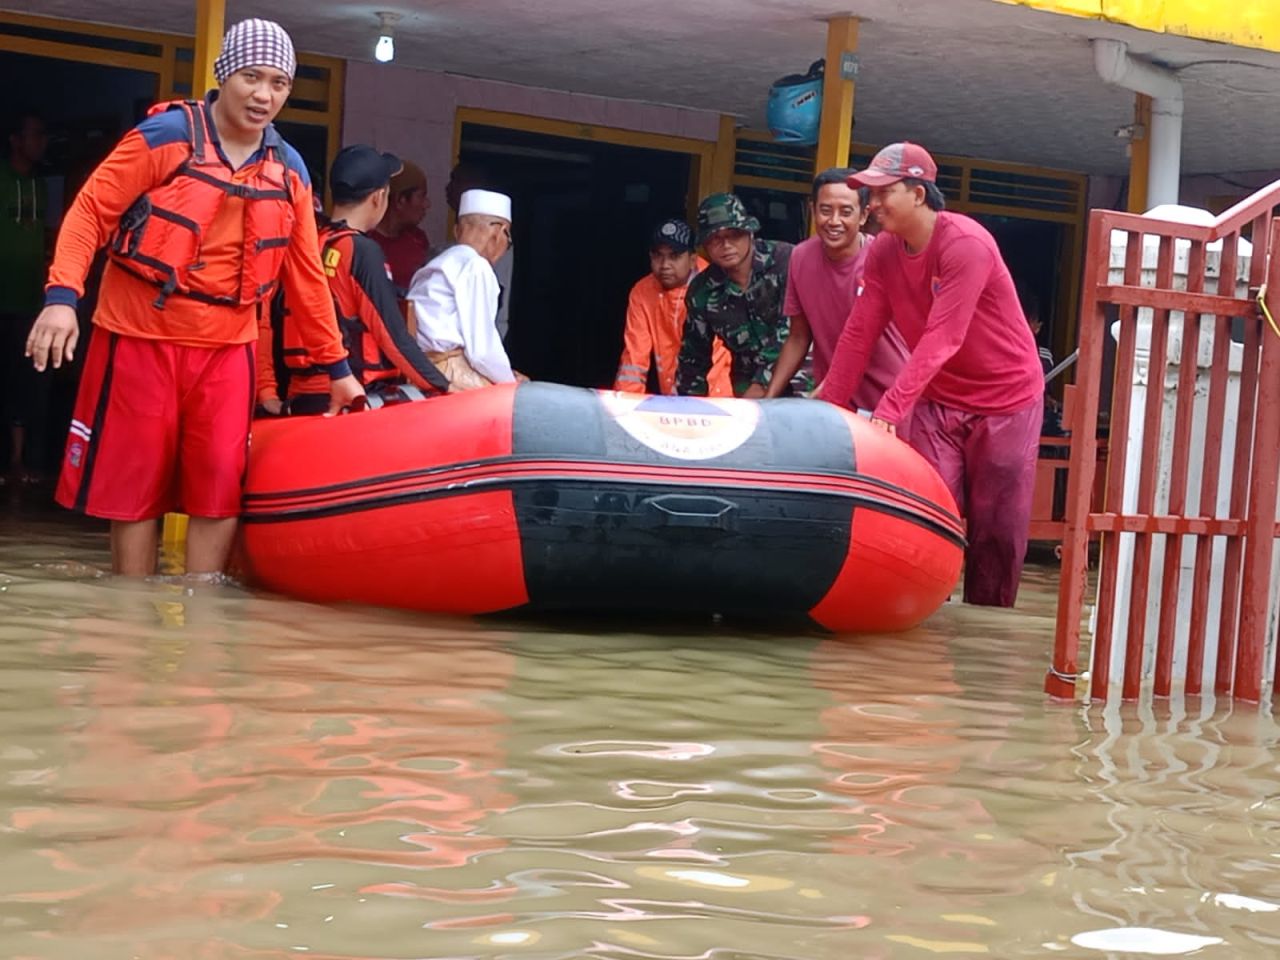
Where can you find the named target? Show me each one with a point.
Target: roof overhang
(982, 78)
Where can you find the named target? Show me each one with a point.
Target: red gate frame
(1250, 529)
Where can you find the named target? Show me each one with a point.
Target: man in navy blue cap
(656, 316)
(382, 353)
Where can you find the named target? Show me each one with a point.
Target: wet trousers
(988, 463)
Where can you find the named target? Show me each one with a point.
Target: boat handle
(682, 510)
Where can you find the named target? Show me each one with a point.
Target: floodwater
(196, 771)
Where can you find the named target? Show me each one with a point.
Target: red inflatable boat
(550, 498)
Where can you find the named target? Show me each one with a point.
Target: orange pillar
(210, 15)
(835, 133)
(1140, 153)
(210, 18)
(722, 159)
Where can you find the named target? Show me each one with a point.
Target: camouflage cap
(724, 211)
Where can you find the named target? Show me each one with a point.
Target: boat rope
(1266, 312)
(1067, 677)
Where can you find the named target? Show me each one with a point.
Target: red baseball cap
(896, 162)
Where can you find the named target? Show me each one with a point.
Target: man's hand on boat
(885, 425)
(342, 392)
(272, 405)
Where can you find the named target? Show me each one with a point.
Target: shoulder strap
(198, 138)
(273, 154)
(202, 149)
(329, 236)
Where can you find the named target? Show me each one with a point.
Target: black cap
(674, 234)
(358, 170)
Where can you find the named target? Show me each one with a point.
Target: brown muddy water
(198, 771)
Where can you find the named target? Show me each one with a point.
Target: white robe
(455, 303)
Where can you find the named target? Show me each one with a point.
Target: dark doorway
(583, 212)
(86, 109)
(1033, 251)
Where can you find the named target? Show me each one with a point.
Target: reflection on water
(196, 771)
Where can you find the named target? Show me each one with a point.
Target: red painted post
(1264, 479)
(1060, 681)
(1210, 479)
(1178, 477)
(1117, 469)
(1148, 473)
(1228, 631)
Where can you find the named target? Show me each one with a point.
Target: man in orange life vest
(379, 347)
(206, 210)
(656, 314)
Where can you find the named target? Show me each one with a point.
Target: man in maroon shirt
(403, 243)
(822, 281)
(969, 397)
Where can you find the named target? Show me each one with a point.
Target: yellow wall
(1245, 23)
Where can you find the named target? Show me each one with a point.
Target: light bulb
(384, 51)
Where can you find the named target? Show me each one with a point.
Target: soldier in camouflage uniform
(738, 299)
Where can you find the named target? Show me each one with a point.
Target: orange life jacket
(159, 237)
(368, 362)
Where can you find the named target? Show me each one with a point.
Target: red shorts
(158, 427)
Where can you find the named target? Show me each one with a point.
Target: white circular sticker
(684, 428)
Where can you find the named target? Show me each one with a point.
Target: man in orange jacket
(656, 315)
(206, 210)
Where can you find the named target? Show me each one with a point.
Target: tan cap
(409, 178)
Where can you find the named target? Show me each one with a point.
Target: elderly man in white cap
(455, 296)
(205, 211)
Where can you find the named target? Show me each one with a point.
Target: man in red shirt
(162, 418)
(822, 282)
(969, 397)
(399, 234)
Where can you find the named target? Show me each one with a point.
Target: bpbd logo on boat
(684, 428)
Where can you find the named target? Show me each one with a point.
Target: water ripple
(193, 770)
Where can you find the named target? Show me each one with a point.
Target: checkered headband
(255, 43)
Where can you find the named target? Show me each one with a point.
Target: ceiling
(965, 77)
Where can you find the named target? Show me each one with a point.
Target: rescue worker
(455, 296)
(656, 317)
(822, 281)
(380, 349)
(404, 243)
(737, 299)
(971, 390)
(162, 418)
